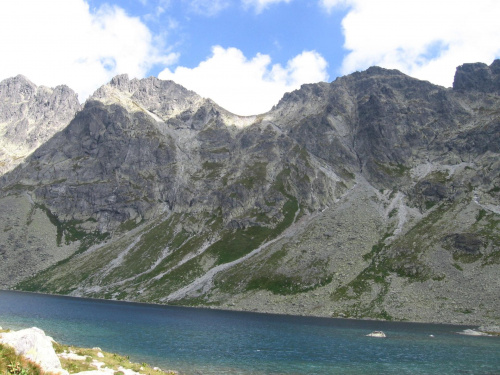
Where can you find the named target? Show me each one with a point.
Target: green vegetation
(458, 267)
(20, 187)
(212, 169)
(345, 174)
(401, 257)
(466, 258)
(493, 190)
(236, 244)
(111, 361)
(429, 204)
(221, 150)
(127, 226)
(70, 231)
(480, 215)
(393, 170)
(254, 174)
(487, 227)
(377, 248)
(13, 364)
(438, 177)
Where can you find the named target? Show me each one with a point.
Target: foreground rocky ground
(31, 352)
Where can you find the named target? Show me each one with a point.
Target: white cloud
(208, 7)
(62, 41)
(248, 87)
(260, 5)
(426, 39)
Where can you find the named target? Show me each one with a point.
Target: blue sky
(244, 54)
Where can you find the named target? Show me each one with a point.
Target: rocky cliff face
(376, 195)
(29, 116)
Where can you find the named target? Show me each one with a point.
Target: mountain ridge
(373, 196)
(29, 116)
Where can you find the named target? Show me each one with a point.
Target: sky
(243, 54)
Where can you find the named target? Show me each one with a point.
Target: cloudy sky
(244, 54)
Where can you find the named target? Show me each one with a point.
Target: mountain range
(374, 196)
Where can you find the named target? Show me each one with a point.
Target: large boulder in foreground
(34, 345)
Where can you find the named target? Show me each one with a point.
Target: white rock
(376, 334)
(34, 345)
(472, 332)
(73, 356)
(100, 355)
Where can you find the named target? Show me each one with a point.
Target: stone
(35, 346)
(473, 332)
(379, 334)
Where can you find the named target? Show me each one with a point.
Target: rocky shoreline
(34, 346)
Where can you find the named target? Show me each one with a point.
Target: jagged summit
(478, 77)
(164, 101)
(29, 116)
(161, 99)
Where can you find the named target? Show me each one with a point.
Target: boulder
(35, 346)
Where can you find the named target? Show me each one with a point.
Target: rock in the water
(376, 334)
(35, 346)
(473, 332)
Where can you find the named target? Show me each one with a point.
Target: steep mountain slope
(29, 116)
(376, 195)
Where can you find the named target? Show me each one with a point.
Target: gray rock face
(478, 77)
(376, 195)
(29, 116)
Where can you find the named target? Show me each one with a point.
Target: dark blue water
(199, 341)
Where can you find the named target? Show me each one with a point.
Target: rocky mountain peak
(17, 88)
(29, 116)
(478, 77)
(159, 99)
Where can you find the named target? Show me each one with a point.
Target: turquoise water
(201, 341)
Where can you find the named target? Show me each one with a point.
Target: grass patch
(481, 214)
(70, 232)
(112, 361)
(127, 226)
(13, 364)
(438, 177)
(466, 258)
(377, 248)
(494, 190)
(429, 204)
(457, 266)
(238, 243)
(393, 212)
(212, 168)
(393, 170)
(254, 174)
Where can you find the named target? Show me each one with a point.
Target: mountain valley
(374, 196)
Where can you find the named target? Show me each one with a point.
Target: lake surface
(202, 341)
